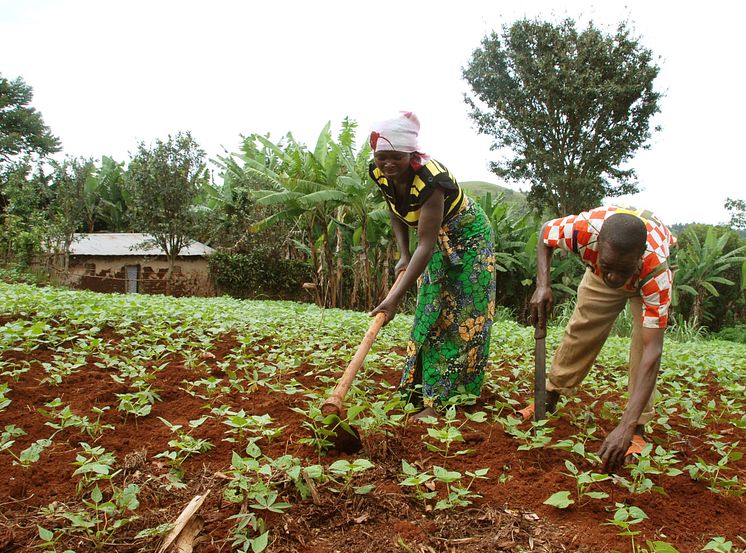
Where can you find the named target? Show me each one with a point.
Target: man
(626, 251)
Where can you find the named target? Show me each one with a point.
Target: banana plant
(115, 198)
(314, 188)
(516, 237)
(700, 267)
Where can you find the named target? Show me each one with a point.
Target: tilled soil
(509, 516)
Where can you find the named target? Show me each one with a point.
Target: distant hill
(679, 228)
(481, 188)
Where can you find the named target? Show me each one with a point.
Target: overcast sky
(107, 74)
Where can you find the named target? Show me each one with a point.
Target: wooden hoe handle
(333, 405)
(540, 373)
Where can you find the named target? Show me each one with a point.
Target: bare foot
(426, 412)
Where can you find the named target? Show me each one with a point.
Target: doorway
(131, 272)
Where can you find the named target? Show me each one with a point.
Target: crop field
(117, 410)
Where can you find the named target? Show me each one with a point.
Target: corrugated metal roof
(124, 243)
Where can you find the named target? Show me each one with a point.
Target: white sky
(107, 74)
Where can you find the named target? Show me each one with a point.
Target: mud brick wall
(108, 274)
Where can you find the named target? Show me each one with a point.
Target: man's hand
(614, 448)
(541, 305)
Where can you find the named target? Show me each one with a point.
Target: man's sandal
(527, 413)
(637, 445)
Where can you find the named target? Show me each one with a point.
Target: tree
(66, 211)
(25, 195)
(572, 106)
(22, 129)
(737, 210)
(163, 183)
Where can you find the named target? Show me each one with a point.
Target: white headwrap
(398, 134)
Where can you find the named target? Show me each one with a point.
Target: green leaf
(718, 544)
(46, 535)
(360, 465)
(159, 530)
(322, 196)
(561, 500)
(314, 471)
(445, 475)
(408, 469)
(128, 499)
(479, 416)
(253, 450)
(353, 411)
(98, 468)
(637, 514)
(260, 543)
(279, 198)
(341, 466)
(32, 453)
(661, 547)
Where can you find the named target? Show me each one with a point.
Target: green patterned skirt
(450, 340)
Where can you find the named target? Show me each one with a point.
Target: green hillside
(479, 189)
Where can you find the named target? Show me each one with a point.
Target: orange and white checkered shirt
(579, 234)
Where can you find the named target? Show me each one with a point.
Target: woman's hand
(387, 307)
(401, 265)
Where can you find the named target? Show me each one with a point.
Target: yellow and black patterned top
(427, 178)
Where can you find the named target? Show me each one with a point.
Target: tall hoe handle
(333, 404)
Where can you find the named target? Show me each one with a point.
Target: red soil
(510, 516)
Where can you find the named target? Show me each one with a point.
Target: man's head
(621, 243)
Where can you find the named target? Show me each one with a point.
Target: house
(118, 262)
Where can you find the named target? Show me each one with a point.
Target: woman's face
(394, 165)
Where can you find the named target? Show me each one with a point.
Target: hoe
(348, 441)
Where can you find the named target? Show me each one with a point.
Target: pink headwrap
(398, 134)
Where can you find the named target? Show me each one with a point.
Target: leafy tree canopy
(163, 183)
(737, 209)
(572, 106)
(22, 129)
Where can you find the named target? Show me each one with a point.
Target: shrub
(733, 334)
(260, 272)
(22, 274)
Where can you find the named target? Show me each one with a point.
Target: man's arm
(615, 445)
(542, 299)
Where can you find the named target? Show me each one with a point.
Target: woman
(454, 262)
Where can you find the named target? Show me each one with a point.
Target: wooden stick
(183, 519)
(333, 405)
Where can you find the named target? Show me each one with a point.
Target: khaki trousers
(596, 310)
